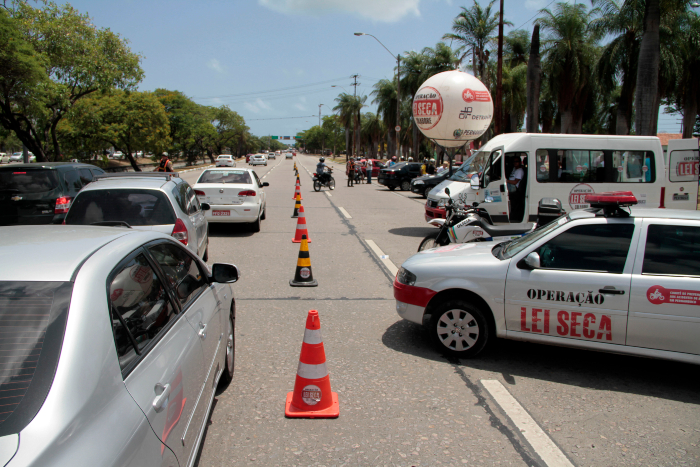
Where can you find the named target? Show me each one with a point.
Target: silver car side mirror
(225, 273)
(532, 261)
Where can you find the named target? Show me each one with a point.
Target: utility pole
(355, 84)
(498, 111)
(319, 115)
(398, 104)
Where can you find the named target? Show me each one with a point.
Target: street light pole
(398, 88)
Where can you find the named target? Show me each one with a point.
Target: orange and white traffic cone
(303, 277)
(301, 227)
(297, 190)
(297, 205)
(298, 181)
(312, 396)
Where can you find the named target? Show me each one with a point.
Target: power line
(535, 15)
(272, 91)
(278, 118)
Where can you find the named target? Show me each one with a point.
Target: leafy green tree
(570, 48)
(384, 97)
(77, 60)
(127, 120)
(189, 123)
(346, 113)
(516, 48)
(687, 89)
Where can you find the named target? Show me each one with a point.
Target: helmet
(323, 159)
(393, 158)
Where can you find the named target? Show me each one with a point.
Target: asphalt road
(401, 402)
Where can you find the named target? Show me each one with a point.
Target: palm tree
(384, 94)
(618, 61)
(345, 111)
(473, 29)
(358, 102)
(514, 96)
(516, 48)
(373, 129)
(570, 49)
(686, 92)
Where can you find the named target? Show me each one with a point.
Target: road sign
(398, 128)
(275, 137)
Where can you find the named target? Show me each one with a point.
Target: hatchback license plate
(221, 213)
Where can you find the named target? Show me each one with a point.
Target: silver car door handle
(202, 331)
(160, 401)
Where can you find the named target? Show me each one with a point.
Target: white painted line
(328, 193)
(383, 258)
(538, 439)
(345, 213)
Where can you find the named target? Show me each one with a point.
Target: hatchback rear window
(133, 206)
(32, 322)
(27, 180)
(225, 176)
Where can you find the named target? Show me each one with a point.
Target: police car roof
(656, 213)
(128, 182)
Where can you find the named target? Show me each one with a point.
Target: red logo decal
(469, 95)
(659, 295)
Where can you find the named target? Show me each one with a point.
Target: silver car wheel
(457, 330)
(230, 351)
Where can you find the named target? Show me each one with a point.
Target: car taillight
(62, 205)
(180, 232)
(247, 193)
(199, 193)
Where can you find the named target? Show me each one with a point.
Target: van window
(493, 168)
(594, 166)
(683, 166)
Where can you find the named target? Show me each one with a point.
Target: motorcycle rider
(321, 170)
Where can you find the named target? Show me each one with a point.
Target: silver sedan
(120, 338)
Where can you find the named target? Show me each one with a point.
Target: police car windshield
(475, 164)
(516, 246)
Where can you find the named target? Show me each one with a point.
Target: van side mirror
(530, 262)
(474, 182)
(225, 273)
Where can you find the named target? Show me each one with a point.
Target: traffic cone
(298, 181)
(301, 227)
(303, 277)
(297, 205)
(297, 190)
(312, 396)
(295, 166)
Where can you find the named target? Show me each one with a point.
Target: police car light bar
(611, 198)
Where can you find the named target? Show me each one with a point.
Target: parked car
(225, 160)
(41, 193)
(272, 155)
(423, 184)
(288, 155)
(157, 201)
(610, 278)
(399, 175)
(258, 159)
(377, 166)
(235, 196)
(136, 335)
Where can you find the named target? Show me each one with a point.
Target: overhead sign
(285, 137)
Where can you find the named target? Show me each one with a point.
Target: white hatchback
(258, 159)
(225, 160)
(235, 196)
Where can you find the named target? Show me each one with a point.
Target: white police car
(610, 278)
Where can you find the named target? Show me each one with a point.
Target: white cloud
(215, 65)
(257, 106)
(377, 10)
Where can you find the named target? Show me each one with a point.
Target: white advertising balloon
(453, 108)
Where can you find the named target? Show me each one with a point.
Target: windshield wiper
(112, 224)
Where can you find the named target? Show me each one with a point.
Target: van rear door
(682, 174)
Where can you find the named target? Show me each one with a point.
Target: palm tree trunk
(348, 149)
(648, 72)
(534, 80)
(623, 122)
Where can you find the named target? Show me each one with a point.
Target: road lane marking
(328, 193)
(382, 257)
(538, 439)
(345, 213)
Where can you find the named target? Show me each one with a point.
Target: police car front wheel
(459, 328)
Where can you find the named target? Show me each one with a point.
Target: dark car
(399, 175)
(423, 184)
(41, 193)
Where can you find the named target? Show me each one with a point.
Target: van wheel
(459, 329)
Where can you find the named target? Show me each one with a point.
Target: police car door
(494, 185)
(665, 299)
(581, 289)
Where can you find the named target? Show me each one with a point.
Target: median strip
(538, 439)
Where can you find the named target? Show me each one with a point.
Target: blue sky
(270, 60)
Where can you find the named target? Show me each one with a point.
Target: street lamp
(398, 88)
(336, 86)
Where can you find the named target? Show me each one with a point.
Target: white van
(569, 167)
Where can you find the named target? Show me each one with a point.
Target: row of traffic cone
(312, 396)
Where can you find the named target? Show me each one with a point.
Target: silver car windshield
(516, 246)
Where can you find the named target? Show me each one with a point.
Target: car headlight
(442, 202)
(418, 182)
(406, 277)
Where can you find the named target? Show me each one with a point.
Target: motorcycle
(329, 181)
(472, 224)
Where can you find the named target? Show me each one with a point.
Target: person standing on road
(165, 165)
(369, 171)
(350, 171)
